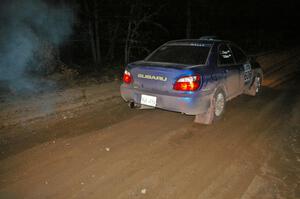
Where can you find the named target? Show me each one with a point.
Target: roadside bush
(69, 75)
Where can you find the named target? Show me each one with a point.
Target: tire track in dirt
(166, 157)
(160, 154)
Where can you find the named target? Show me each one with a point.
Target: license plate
(148, 100)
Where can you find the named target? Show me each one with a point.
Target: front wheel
(215, 111)
(255, 88)
(257, 84)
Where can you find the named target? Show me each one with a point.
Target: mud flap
(207, 117)
(250, 91)
(146, 107)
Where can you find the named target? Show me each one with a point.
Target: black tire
(257, 84)
(255, 88)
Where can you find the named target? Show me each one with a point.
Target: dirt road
(106, 150)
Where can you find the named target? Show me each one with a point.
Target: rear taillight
(127, 77)
(188, 83)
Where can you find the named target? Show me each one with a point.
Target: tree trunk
(127, 42)
(97, 36)
(128, 37)
(92, 42)
(93, 32)
(112, 42)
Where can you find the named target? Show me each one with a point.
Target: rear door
(243, 64)
(226, 64)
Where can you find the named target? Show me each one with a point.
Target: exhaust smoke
(25, 28)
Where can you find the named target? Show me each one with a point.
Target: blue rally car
(194, 77)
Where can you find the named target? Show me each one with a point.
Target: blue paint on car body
(219, 64)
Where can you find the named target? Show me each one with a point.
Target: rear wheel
(215, 111)
(219, 105)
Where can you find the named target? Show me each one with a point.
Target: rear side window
(181, 54)
(239, 55)
(225, 56)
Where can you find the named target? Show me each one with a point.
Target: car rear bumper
(192, 103)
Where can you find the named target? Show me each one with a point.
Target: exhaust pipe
(131, 104)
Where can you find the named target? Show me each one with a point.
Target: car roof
(197, 41)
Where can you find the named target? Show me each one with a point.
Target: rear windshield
(181, 54)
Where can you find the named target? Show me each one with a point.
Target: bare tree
(113, 29)
(139, 15)
(92, 10)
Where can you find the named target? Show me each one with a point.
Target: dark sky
(215, 16)
(212, 16)
(255, 25)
